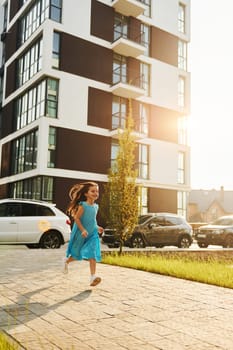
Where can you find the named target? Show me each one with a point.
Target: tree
(120, 204)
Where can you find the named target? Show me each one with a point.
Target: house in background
(208, 205)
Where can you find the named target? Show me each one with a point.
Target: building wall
(83, 123)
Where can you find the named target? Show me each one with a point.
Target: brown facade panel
(7, 120)
(4, 191)
(10, 78)
(81, 57)
(99, 108)
(14, 8)
(102, 20)
(162, 200)
(163, 124)
(11, 41)
(164, 46)
(6, 158)
(82, 151)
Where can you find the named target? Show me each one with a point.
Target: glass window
(143, 200)
(181, 18)
(145, 77)
(119, 111)
(183, 130)
(181, 92)
(56, 50)
(147, 11)
(41, 100)
(114, 153)
(120, 26)
(56, 10)
(182, 203)
(181, 168)
(29, 64)
(145, 29)
(37, 13)
(182, 55)
(24, 153)
(143, 119)
(119, 69)
(143, 161)
(40, 187)
(51, 147)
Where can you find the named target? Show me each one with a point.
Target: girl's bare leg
(68, 260)
(92, 266)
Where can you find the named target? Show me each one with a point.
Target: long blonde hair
(77, 194)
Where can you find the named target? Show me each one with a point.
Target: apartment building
(67, 71)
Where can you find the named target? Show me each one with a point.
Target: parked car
(156, 229)
(35, 224)
(219, 232)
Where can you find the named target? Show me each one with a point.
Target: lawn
(211, 270)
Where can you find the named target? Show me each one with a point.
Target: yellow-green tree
(120, 204)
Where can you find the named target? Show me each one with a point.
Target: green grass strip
(211, 271)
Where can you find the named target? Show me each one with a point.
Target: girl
(84, 241)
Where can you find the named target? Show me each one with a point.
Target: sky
(211, 120)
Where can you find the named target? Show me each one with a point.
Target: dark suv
(158, 230)
(219, 232)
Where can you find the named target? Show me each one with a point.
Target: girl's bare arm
(77, 218)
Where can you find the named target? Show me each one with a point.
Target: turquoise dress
(79, 247)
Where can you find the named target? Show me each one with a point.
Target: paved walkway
(43, 309)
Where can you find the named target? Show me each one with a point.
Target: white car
(35, 224)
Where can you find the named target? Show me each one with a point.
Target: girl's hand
(84, 233)
(100, 230)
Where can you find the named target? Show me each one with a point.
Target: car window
(10, 209)
(28, 209)
(44, 211)
(171, 221)
(143, 218)
(158, 220)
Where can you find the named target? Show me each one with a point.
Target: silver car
(35, 224)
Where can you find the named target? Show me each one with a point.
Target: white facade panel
(164, 163)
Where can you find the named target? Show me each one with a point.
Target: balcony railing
(127, 83)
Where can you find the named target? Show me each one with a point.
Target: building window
(40, 188)
(145, 76)
(183, 130)
(143, 200)
(181, 168)
(182, 203)
(5, 16)
(56, 50)
(141, 124)
(182, 55)
(41, 10)
(120, 26)
(52, 147)
(37, 102)
(181, 92)
(114, 153)
(24, 153)
(145, 29)
(56, 10)
(119, 112)
(143, 161)
(147, 11)
(29, 64)
(181, 18)
(119, 69)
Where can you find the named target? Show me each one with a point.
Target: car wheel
(202, 245)
(184, 242)
(50, 240)
(229, 242)
(137, 241)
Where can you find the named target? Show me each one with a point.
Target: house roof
(204, 199)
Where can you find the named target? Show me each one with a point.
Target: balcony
(128, 84)
(132, 8)
(128, 45)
